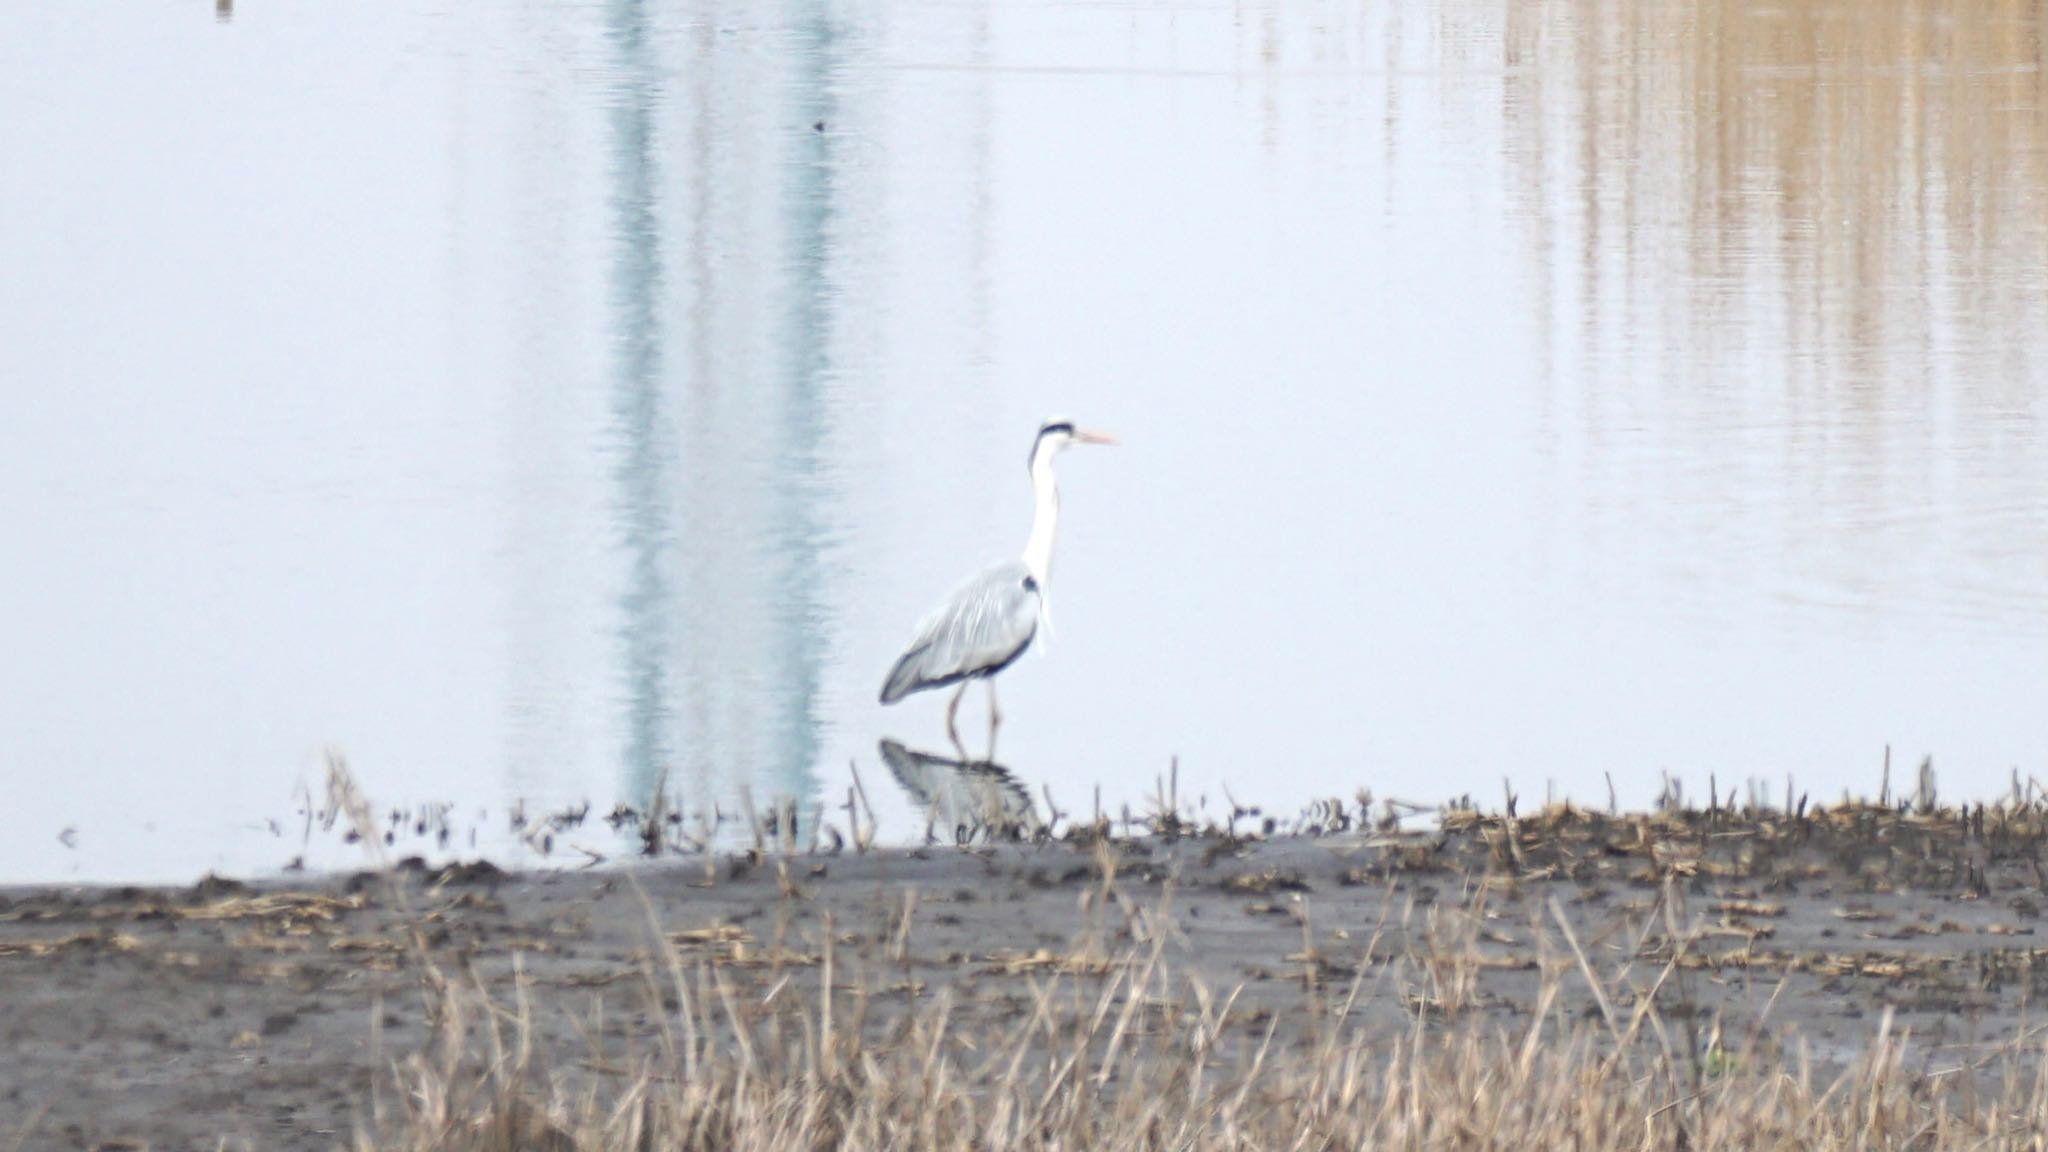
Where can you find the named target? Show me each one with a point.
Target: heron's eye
(1030, 584)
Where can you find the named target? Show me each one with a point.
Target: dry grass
(1119, 1051)
(815, 1045)
(1136, 1059)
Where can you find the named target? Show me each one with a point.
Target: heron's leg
(952, 712)
(995, 718)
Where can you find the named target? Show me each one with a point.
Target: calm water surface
(532, 399)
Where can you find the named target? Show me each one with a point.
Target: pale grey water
(526, 398)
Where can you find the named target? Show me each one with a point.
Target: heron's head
(1057, 435)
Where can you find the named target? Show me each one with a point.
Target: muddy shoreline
(270, 1014)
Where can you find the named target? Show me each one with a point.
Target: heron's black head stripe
(1049, 428)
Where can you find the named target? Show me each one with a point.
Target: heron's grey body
(985, 625)
(989, 621)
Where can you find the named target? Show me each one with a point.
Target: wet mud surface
(270, 1015)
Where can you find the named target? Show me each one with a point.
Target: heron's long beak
(1091, 436)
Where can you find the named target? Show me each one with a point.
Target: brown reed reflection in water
(1794, 266)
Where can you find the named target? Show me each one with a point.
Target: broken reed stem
(863, 836)
(753, 820)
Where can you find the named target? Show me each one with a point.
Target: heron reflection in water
(989, 621)
(968, 800)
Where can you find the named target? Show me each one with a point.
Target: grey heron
(989, 621)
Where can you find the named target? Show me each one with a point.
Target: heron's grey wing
(984, 625)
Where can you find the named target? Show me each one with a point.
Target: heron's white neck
(1044, 521)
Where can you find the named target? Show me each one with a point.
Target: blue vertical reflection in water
(720, 366)
(799, 534)
(638, 409)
